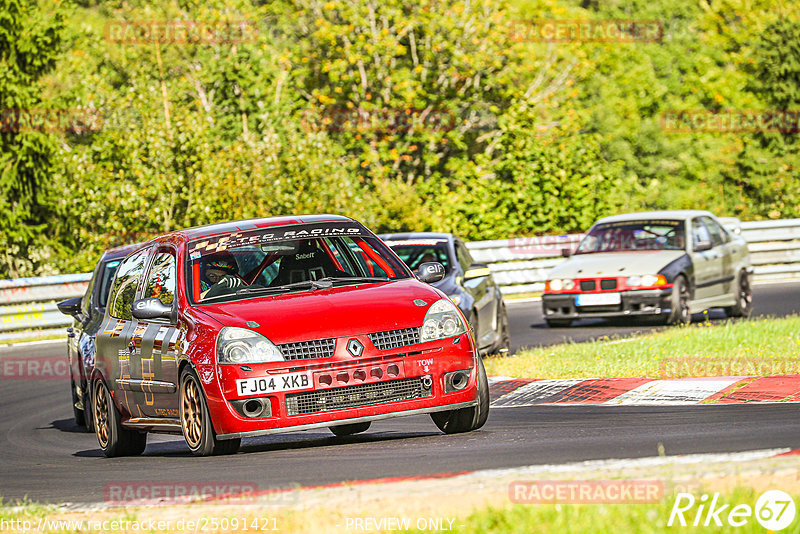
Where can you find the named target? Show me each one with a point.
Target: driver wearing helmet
(219, 271)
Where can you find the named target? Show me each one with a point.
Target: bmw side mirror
(151, 308)
(566, 252)
(700, 246)
(477, 270)
(71, 307)
(430, 272)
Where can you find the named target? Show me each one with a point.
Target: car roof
(409, 236)
(120, 252)
(660, 214)
(209, 230)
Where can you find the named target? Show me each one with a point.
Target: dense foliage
(405, 114)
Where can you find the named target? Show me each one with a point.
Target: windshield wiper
(251, 290)
(356, 279)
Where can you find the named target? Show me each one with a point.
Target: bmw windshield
(627, 236)
(272, 261)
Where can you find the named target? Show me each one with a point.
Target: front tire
(114, 440)
(504, 343)
(78, 413)
(744, 298)
(196, 422)
(558, 323)
(467, 419)
(349, 430)
(679, 302)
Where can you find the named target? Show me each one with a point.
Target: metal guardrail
(519, 265)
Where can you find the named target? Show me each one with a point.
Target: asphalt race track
(45, 457)
(528, 328)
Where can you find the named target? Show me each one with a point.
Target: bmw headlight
(243, 346)
(557, 284)
(441, 321)
(647, 280)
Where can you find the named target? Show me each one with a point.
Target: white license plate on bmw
(273, 384)
(598, 299)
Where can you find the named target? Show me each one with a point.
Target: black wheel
(114, 440)
(744, 298)
(78, 413)
(196, 422)
(679, 302)
(349, 430)
(473, 326)
(467, 419)
(558, 323)
(504, 343)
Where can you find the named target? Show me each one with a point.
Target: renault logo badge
(355, 348)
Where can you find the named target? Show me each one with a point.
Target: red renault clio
(278, 324)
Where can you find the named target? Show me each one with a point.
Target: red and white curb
(513, 392)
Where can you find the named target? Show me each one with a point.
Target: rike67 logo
(774, 510)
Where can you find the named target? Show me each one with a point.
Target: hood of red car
(333, 312)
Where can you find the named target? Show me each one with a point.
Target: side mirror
(700, 246)
(430, 272)
(151, 308)
(566, 252)
(477, 270)
(71, 307)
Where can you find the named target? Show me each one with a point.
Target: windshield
(416, 252)
(270, 261)
(633, 235)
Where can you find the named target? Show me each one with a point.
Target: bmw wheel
(196, 422)
(679, 302)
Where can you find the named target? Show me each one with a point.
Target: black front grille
(587, 285)
(608, 283)
(327, 400)
(303, 350)
(392, 339)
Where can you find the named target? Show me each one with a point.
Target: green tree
(767, 169)
(30, 40)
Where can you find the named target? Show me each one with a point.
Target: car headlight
(441, 321)
(456, 299)
(557, 284)
(647, 280)
(243, 346)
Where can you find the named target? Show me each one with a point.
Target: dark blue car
(87, 313)
(468, 284)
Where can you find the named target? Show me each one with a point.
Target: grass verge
(732, 348)
(642, 518)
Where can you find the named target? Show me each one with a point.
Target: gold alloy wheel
(101, 423)
(191, 412)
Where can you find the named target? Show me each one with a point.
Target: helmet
(221, 261)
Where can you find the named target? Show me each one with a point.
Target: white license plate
(273, 383)
(598, 299)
